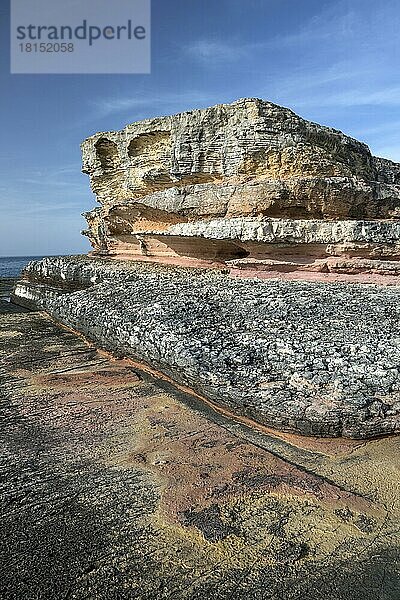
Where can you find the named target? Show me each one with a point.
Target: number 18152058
(46, 47)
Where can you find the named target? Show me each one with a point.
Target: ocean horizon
(11, 266)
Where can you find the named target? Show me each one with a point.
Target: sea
(11, 266)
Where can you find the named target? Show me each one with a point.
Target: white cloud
(330, 25)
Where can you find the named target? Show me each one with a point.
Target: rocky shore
(249, 255)
(297, 356)
(207, 405)
(117, 486)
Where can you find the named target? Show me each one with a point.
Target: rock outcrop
(297, 356)
(117, 487)
(201, 200)
(207, 184)
(172, 467)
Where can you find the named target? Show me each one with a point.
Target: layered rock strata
(246, 180)
(241, 201)
(317, 359)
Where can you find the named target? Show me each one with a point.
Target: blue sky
(334, 62)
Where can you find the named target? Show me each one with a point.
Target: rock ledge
(297, 356)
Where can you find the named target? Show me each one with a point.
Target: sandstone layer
(187, 186)
(318, 359)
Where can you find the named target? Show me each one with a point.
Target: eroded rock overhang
(260, 245)
(249, 182)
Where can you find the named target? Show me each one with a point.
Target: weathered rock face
(249, 159)
(205, 189)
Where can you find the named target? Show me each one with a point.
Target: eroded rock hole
(107, 153)
(154, 143)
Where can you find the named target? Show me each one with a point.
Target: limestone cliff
(249, 159)
(243, 190)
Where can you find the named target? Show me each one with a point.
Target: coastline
(104, 460)
(294, 356)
